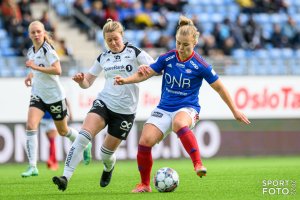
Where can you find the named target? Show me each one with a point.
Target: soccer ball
(166, 179)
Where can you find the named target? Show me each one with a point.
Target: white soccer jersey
(121, 99)
(46, 86)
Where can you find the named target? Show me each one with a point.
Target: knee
(31, 126)
(63, 131)
(147, 141)
(177, 125)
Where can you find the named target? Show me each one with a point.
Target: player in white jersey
(183, 73)
(114, 106)
(47, 94)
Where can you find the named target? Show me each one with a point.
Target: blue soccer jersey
(182, 80)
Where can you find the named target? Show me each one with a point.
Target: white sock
(75, 153)
(72, 134)
(108, 158)
(31, 146)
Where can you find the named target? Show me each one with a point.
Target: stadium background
(260, 66)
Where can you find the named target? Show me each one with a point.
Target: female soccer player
(114, 106)
(47, 94)
(183, 73)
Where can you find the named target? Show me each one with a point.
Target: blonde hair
(47, 36)
(187, 27)
(111, 26)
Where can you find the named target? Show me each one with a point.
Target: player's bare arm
(223, 92)
(141, 75)
(54, 69)
(28, 79)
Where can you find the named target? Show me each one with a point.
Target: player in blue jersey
(114, 107)
(183, 72)
(47, 125)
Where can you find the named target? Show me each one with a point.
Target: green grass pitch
(227, 178)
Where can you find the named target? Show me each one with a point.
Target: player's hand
(78, 78)
(238, 115)
(30, 64)
(144, 70)
(28, 81)
(119, 80)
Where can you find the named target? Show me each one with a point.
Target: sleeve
(209, 74)
(144, 58)
(52, 56)
(96, 69)
(158, 65)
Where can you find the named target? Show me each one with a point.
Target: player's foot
(61, 182)
(52, 165)
(31, 171)
(200, 170)
(106, 177)
(139, 188)
(87, 154)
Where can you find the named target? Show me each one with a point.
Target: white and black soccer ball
(166, 179)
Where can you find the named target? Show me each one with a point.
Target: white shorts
(48, 125)
(163, 119)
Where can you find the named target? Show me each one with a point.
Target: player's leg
(153, 131)
(34, 117)
(108, 157)
(150, 136)
(182, 121)
(92, 124)
(72, 134)
(51, 134)
(119, 126)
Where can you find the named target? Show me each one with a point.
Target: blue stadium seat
(3, 34)
(239, 53)
(262, 53)
(274, 53)
(267, 30)
(204, 17)
(261, 18)
(287, 53)
(259, 66)
(295, 69)
(9, 52)
(235, 70)
(5, 43)
(277, 67)
(297, 53)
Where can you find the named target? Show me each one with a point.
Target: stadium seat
(262, 53)
(3, 34)
(287, 53)
(239, 53)
(235, 70)
(295, 69)
(261, 18)
(297, 53)
(274, 53)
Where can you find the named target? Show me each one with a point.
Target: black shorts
(119, 125)
(58, 110)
